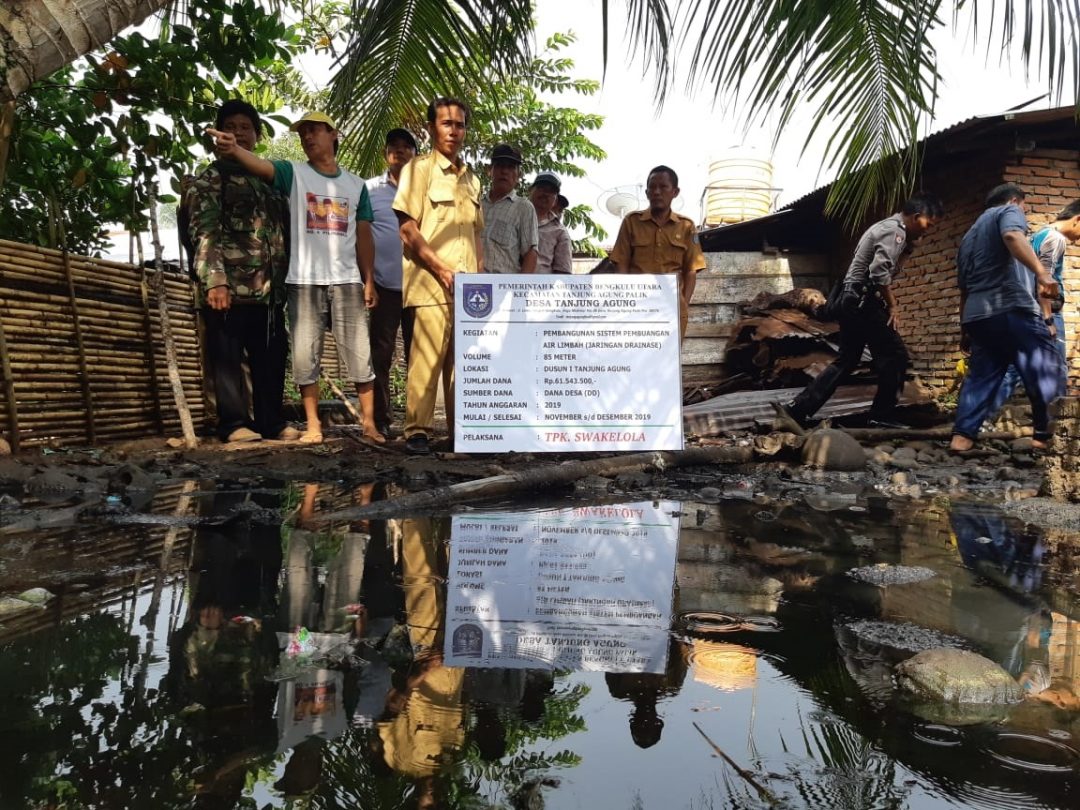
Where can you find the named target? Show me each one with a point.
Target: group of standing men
(364, 259)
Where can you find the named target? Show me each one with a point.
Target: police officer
(236, 224)
(864, 305)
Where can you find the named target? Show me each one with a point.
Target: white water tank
(739, 187)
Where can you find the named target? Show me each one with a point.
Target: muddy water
(651, 655)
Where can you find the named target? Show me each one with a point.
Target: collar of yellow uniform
(646, 216)
(443, 162)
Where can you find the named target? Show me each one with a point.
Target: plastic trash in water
(300, 644)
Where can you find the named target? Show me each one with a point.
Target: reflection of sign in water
(467, 641)
(327, 214)
(584, 588)
(310, 704)
(567, 363)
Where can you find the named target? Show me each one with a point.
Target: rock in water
(832, 449)
(957, 676)
(35, 596)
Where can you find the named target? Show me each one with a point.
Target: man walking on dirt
(236, 226)
(388, 314)
(864, 305)
(438, 210)
(331, 276)
(1002, 320)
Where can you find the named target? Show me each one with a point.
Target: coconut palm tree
(866, 68)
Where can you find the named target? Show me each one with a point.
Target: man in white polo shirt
(331, 262)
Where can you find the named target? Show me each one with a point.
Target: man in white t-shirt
(331, 262)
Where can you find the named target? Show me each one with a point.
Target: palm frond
(403, 53)
(865, 68)
(650, 26)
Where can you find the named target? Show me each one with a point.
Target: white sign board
(566, 363)
(588, 588)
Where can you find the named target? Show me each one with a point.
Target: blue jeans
(1011, 338)
(1012, 376)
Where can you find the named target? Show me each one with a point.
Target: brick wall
(926, 293)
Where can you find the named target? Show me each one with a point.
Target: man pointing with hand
(331, 262)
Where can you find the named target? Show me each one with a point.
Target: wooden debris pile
(779, 342)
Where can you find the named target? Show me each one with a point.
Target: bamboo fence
(82, 358)
(81, 352)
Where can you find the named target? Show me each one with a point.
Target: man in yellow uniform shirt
(657, 240)
(438, 211)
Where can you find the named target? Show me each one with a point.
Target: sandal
(374, 436)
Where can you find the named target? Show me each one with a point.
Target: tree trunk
(166, 328)
(38, 37)
(534, 478)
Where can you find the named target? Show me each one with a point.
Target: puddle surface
(639, 655)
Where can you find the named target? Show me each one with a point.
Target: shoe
(417, 445)
(885, 422)
(243, 434)
(288, 434)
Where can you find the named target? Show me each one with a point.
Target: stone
(35, 596)
(1024, 444)
(709, 495)
(903, 462)
(884, 574)
(876, 456)
(919, 446)
(902, 478)
(905, 452)
(926, 457)
(831, 449)
(886, 448)
(9, 604)
(957, 676)
(592, 484)
(1006, 474)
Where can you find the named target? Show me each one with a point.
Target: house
(799, 246)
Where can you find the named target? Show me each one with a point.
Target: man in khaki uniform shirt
(657, 240)
(438, 210)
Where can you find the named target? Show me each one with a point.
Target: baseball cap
(401, 134)
(548, 179)
(505, 151)
(314, 117)
(562, 202)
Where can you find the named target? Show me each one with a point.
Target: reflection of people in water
(423, 724)
(221, 655)
(1007, 621)
(333, 608)
(645, 690)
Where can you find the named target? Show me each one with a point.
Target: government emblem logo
(477, 300)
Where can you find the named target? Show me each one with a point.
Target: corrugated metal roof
(989, 121)
(741, 410)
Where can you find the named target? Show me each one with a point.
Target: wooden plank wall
(82, 356)
(729, 279)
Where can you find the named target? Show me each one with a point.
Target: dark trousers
(860, 327)
(1011, 338)
(259, 333)
(383, 327)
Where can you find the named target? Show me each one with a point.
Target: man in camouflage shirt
(237, 227)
